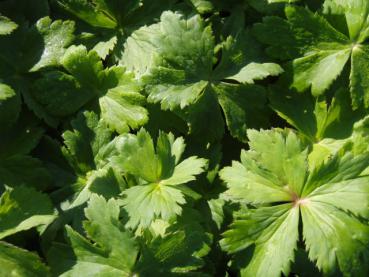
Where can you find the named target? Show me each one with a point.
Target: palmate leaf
(179, 250)
(316, 118)
(332, 196)
(114, 253)
(317, 48)
(46, 43)
(177, 70)
(111, 250)
(84, 148)
(118, 94)
(120, 18)
(160, 175)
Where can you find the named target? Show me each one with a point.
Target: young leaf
(159, 175)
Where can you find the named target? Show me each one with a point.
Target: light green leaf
(255, 71)
(147, 202)
(308, 71)
(332, 197)
(140, 50)
(7, 26)
(186, 171)
(334, 238)
(103, 48)
(85, 66)
(114, 253)
(122, 106)
(254, 187)
(57, 35)
(273, 231)
(282, 154)
(159, 175)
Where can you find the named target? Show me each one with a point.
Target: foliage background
(117, 116)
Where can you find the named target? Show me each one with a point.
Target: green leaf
(274, 233)
(89, 12)
(179, 81)
(84, 142)
(47, 92)
(178, 251)
(85, 152)
(22, 137)
(21, 50)
(122, 106)
(332, 197)
(159, 175)
(86, 67)
(20, 170)
(7, 26)
(334, 238)
(10, 105)
(193, 89)
(245, 185)
(114, 253)
(356, 15)
(147, 202)
(57, 35)
(308, 71)
(24, 208)
(140, 51)
(20, 262)
(359, 82)
(281, 154)
(239, 114)
(316, 118)
(118, 93)
(318, 48)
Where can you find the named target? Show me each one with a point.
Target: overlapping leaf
(179, 54)
(330, 195)
(319, 49)
(82, 148)
(118, 94)
(160, 175)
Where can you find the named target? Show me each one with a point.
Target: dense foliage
(184, 138)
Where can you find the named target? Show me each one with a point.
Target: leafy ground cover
(184, 138)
